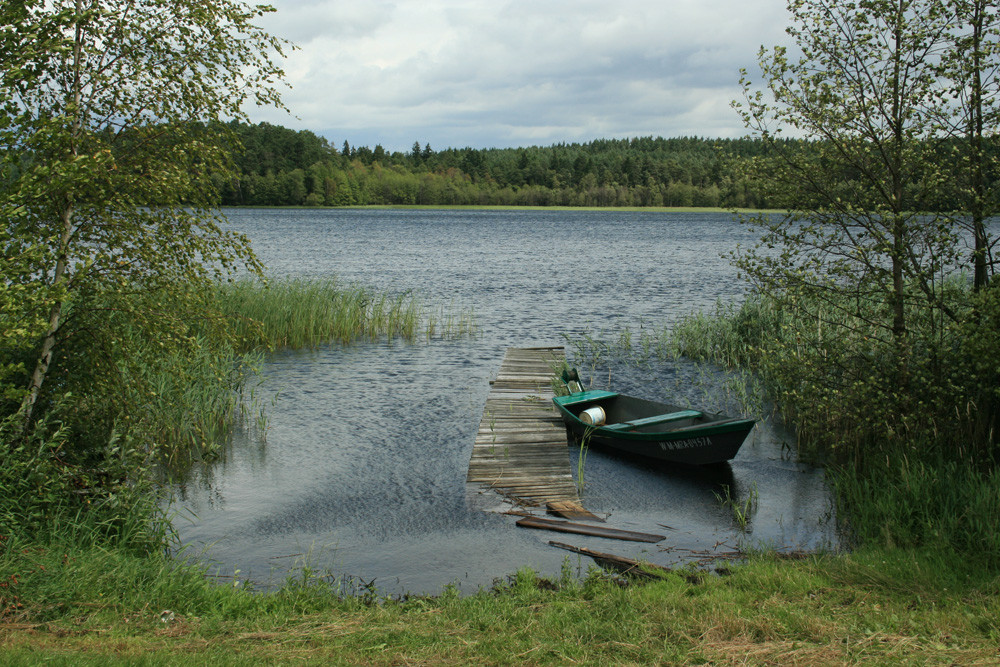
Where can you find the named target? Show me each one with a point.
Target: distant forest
(283, 167)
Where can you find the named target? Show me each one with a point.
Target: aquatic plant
(581, 460)
(742, 510)
(301, 312)
(910, 441)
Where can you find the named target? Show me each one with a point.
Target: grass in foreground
(867, 608)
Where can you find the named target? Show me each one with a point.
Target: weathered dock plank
(520, 448)
(627, 566)
(588, 529)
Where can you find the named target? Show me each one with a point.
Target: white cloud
(489, 73)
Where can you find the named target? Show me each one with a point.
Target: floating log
(588, 529)
(627, 566)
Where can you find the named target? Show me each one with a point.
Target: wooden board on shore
(568, 509)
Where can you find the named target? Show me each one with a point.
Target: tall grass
(299, 313)
(946, 505)
(161, 377)
(909, 431)
(729, 335)
(193, 400)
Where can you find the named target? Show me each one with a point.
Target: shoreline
(490, 207)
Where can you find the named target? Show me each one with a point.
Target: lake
(362, 471)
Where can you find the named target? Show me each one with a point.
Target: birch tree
(110, 126)
(859, 88)
(881, 338)
(970, 113)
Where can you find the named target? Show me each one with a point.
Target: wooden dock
(521, 450)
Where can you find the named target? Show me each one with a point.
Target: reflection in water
(364, 464)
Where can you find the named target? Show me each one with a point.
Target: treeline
(282, 167)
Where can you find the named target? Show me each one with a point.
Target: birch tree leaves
(110, 124)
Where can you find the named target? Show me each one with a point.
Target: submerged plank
(568, 509)
(588, 529)
(627, 566)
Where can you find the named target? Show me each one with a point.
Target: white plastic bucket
(593, 416)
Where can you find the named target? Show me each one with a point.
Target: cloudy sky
(499, 73)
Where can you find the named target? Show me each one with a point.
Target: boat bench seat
(589, 396)
(655, 419)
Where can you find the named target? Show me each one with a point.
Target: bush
(910, 431)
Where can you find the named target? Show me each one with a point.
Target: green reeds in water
(193, 402)
(447, 323)
(300, 313)
(729, 336)
(194, 397)
(741, 509)
(179, 402)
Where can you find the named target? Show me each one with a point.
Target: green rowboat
(650, 429)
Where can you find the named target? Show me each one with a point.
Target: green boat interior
(655, 419)
(625, 413)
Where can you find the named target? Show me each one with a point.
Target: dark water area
(362, 470)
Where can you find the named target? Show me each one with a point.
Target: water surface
(363, 469)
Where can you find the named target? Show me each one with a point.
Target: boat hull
(653, 430)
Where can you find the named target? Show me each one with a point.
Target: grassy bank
(100, 607)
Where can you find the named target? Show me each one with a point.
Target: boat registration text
(685, 444)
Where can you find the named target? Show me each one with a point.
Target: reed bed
(193, 396)
(194, 400)
(301, 313)
(728, 336)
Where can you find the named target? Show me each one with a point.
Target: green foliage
(275, 163)
(644, 171)
(913, 467)
(116, 129)
(863, 327)
(49, 491)
(114, 407)
(111, 121)
(969, 66)
(34, 483)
